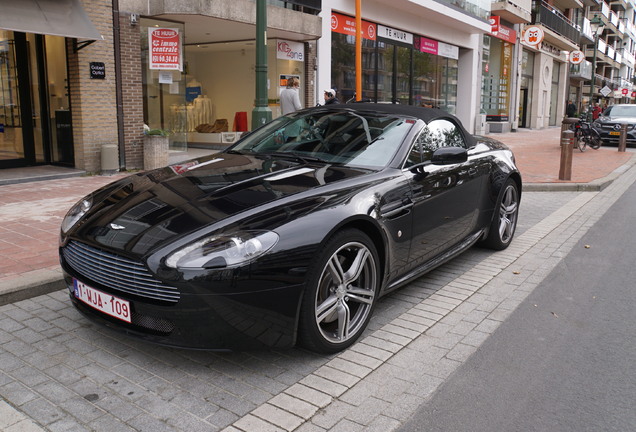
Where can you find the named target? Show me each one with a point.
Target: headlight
(223, 250)
(75, 213)
(597, 124)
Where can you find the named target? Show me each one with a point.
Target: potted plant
(156, 143)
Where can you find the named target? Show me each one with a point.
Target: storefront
(35, 110)
(398, 66)
(497, 75)
(206, 98)
(424, 55)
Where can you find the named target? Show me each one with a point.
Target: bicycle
(585, 136)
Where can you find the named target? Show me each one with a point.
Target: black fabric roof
(425, 114)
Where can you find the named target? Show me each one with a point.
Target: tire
(594, 140)
(341, 292)
(504, 220)
(581, 143)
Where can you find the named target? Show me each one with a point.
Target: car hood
(143, 212)
(621, 120)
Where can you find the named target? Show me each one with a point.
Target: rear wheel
(504, 221)
(340, 294)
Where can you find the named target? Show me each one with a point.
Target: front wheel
(340, 293)
(594, 140)
(581, 143)
(504, 221)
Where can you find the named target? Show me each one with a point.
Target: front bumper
(609, 134)
(252, 320)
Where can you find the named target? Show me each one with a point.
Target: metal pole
(261, 113)
(593, 81)
(358, 50)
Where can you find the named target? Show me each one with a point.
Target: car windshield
(622, 111)
(367, 140)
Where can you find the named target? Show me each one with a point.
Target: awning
(50, 17)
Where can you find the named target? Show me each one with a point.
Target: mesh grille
(116, 272)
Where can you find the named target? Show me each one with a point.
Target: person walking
(596, 111)
(570, 110)
(289, 98)
(330, 97)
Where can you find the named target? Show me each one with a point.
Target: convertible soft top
(425, 114)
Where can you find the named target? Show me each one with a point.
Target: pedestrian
(570, 111)
(330, 97)
(289, 98)
(596, 111)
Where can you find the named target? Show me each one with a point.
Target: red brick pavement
(538, 155)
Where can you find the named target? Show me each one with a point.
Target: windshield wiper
(296, 156)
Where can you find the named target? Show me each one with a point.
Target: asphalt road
(565, 359)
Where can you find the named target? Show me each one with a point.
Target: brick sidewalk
(538, 154)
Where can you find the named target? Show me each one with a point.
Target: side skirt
(436, 262)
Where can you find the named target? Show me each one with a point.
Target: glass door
(12, 148)
(35, 123)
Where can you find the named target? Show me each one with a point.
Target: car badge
(116, 227)
(617, 127)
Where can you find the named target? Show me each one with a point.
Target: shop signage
(577, 57)
(502, 32)
(395, 35)
(625, 91)
(447, 50)
(164, 45)
(634, 94)
(98, 70)
(347, 25)
(533, 36)
(438, 48)
(288, 50)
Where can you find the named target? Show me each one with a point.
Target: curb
(593, 186)
(32, 284)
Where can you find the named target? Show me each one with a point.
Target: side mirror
(449, 155)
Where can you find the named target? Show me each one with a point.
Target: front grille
(116, 272)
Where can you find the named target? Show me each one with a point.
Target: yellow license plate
(615, 133)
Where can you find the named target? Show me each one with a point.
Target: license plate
(615, 133)
(101, 301)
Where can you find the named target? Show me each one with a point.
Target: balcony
(564, 33)
(581, 71)
(513, 11)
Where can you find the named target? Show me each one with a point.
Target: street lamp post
(597, 24)
(261, 113)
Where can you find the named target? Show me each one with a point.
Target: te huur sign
(98, 70)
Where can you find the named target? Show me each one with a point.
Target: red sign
(164, 46)
(347, 25)
(428, 45)
(502, 32)
(625, 91)
(634, 94)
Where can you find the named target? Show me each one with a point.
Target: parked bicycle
(585, 136)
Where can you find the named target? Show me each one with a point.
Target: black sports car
(291, 234)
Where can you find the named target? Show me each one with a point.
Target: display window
(417, 71)
(496, 79)
(209, 101)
